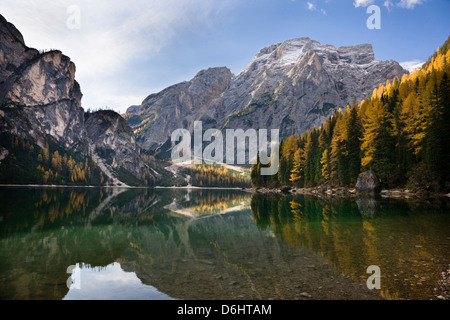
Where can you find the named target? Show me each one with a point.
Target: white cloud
(409, 4)
(313, 7)
(112, 35)
(405, 4)
(362, 3)
(388, 4)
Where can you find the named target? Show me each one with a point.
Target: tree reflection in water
(221, 244)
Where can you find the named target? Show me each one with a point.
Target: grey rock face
(13, 52)
(41, 101)
(39, 97)
(292, 86)
(111, 137)
(368, 182)
(178, 106)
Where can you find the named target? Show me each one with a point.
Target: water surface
(217, 244)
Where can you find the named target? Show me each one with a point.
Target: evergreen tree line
(402, 133)
(28, 163)
(57, 167)
(216, 176)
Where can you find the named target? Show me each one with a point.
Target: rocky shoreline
(326, 191)
(442, 291)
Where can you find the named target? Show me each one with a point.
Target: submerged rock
(368, 206)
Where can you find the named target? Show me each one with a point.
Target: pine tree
(287, 151)
(325, 162)
(46, 153)
(256, 177)
(338, 154)
(354, 135)
(312, 172)
(297, 170)
(378, 143)
(435, 153)
(57, 162)
(444, 102)
(408, 116)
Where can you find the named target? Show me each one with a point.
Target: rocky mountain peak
(292, 86)
(46, 79)
(289, 52)
(212, 74)
(7, 29)
(112, 142)
(179, 106)
(211, 81)
(359, 54)
(281, 54)
(13, 51)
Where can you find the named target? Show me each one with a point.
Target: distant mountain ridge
(292, 86)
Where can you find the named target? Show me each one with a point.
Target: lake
(162, 244)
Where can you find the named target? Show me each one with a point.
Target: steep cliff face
(178, 106)
(39, 97)
(291, 86)
(112, 140)
(13, 52)
(40, 102)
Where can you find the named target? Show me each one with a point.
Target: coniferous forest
(401, 132)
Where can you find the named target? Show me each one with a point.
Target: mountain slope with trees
(45, 135)
(400, 132)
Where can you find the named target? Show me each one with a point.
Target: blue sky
(126, 50)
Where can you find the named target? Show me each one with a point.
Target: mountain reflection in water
(217, 244)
